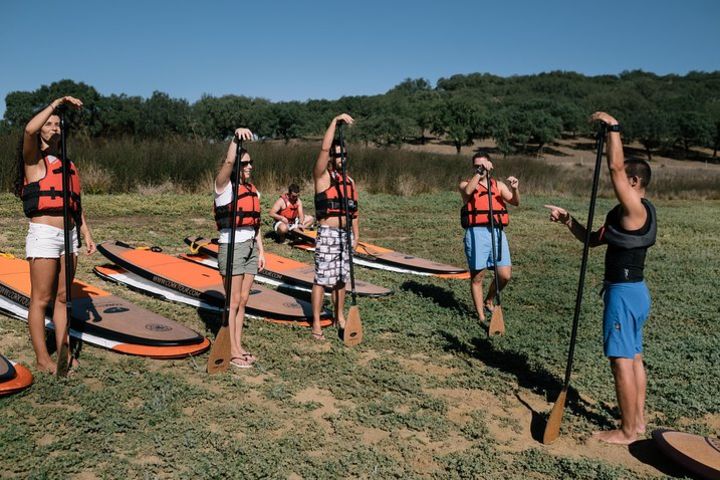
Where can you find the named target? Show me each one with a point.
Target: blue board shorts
(627, 307)
(478, 248)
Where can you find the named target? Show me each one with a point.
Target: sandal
(249, 357)
(240, 362)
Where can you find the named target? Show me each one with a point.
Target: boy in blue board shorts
(475, 219)
(630, 229)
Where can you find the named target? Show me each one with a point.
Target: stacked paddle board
(13, 377)
(102, 319)
(373, 256)
(279, 271)
(179, 280)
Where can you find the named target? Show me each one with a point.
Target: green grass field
(426, 394)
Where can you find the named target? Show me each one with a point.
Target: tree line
(520, 113)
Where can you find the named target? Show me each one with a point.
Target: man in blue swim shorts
(629, 230)
(475, 219)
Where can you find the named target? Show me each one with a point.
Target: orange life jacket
(329, 203)
(46, 195)
(476, 211)
(291, 209)
(248, 209)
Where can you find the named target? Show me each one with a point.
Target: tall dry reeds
(182, 165)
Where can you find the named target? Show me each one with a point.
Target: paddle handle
(234, 182)
(586, 249)
(63, 363)
(492, 238)
(348, 217)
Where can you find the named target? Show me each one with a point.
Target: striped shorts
(332, 256)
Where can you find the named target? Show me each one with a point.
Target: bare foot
(481, 314)
(641, 428)
(48, 367)
(617, 437)
(320, 337)
(341, 323)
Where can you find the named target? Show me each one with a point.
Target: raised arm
(223, 177)
(634, 211)
(320, 168)
(31, 145)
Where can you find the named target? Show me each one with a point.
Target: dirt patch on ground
(509, 422)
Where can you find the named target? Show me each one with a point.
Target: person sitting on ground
(39, 184)
(289, 214)
(630, 229)
(475, 219)
(332, 252)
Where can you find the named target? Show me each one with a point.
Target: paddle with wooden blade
(497, 322)
(552, 428)
(352, 334)
(63, 359)
(220, 356)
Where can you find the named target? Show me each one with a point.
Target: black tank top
(626, 251)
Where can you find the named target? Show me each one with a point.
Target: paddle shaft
(492, 238)
(348, 218)
(234, 185)
(586, 249)
(63, 363)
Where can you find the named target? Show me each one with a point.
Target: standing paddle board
(373, 256)
(279, 271)
(103, 319)
(202, 283)
(700, 455)
(13, 377)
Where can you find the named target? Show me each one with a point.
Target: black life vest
(329, 203)
(626, 252)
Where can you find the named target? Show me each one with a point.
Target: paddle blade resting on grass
(552, 429)
(353, 328)
(497, 322)
(63, 361)
(219, 358)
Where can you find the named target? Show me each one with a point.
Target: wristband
(614, 128)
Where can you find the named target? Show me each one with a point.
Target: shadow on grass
(537, 380)
(442, 297)
(647, 452)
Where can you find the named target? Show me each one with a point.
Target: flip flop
(240, 362)
(249, 357)
(318, 337)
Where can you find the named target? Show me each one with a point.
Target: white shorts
(291, 226)
(45, 241)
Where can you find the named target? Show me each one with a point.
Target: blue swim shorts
(627, 306)
(478, 248)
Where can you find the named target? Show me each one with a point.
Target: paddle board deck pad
(203, 283)
(20, 379)
(280, 270)
(700, 455)
(119, 275)
(373, 256)
(103, 319)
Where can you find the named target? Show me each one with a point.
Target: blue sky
(297, 50)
